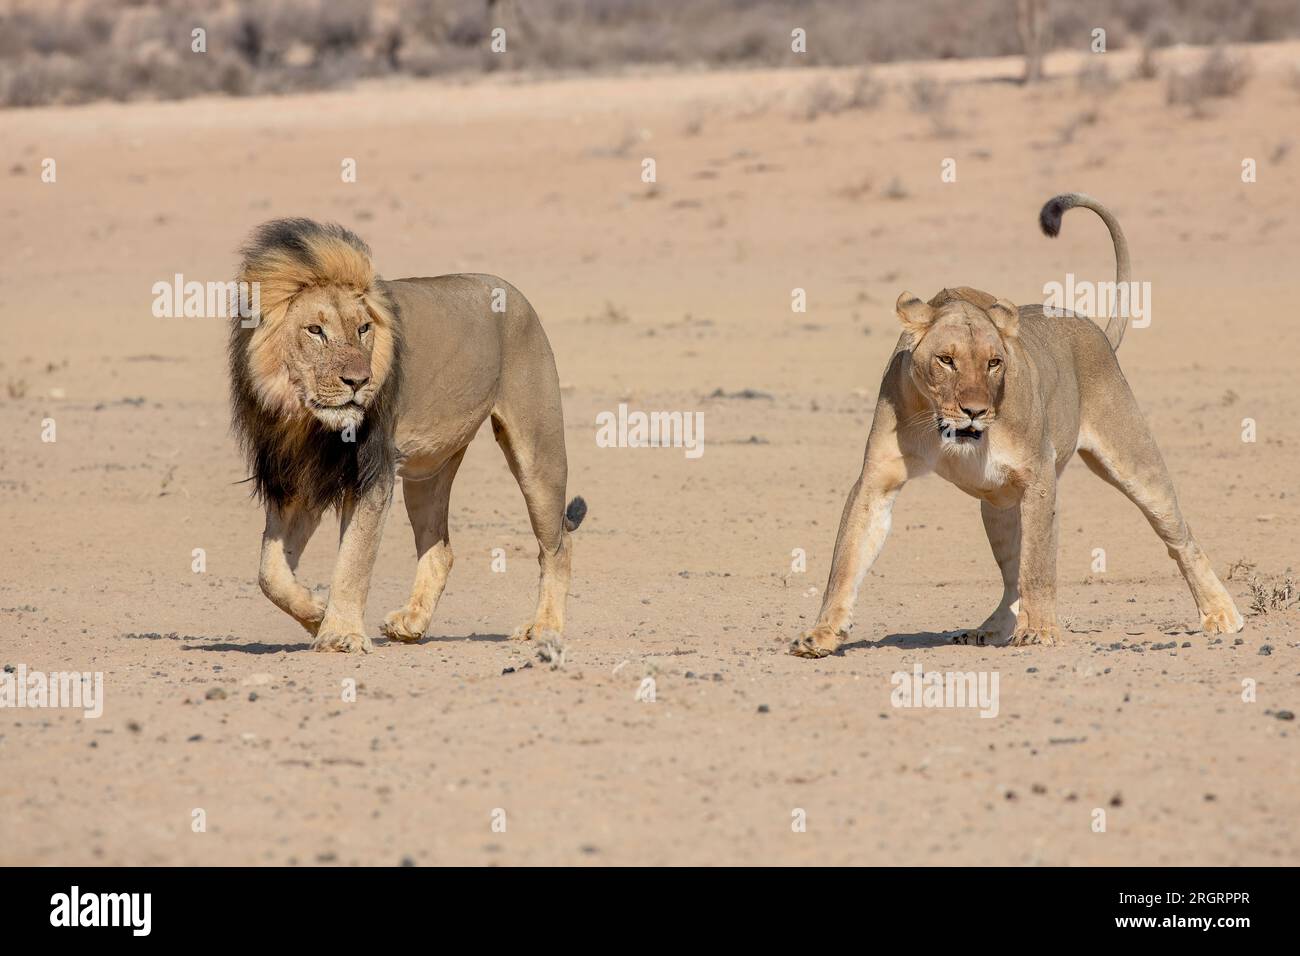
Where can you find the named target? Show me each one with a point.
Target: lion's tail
(1050, 220)
(574, 514)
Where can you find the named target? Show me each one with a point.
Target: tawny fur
(345, 381)
(997, 399)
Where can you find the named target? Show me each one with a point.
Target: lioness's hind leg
(427, 503)
(535, 453)
(1127, 457)
(1002, 525)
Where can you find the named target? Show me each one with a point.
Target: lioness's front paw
(1222, 620)
(402, 625)
(819, 642)
(534, 632)
(343, 643)
(1046, 634)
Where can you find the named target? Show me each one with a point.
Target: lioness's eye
(994, 363)
(946, 359)
(362, 330)
(315, 330)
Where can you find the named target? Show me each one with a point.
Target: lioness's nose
(974, 413)
(354, 383)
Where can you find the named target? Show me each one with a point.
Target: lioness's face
(959, 364)
(330, 339)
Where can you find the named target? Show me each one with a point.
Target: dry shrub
(825, 97)
(1094, 79)
(73, 50)
(1221, 74)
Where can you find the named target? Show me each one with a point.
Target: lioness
(343, 380)
(996, 399)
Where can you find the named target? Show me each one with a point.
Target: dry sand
(683, 569)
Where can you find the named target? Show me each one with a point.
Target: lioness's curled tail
(1050, 220)
(574, 513)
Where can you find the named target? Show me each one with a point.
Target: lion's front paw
(402, 625)
(995, 629)
(819, 642)
(312, 621)
(1222, 620)
(1046, 634)
(342, 642)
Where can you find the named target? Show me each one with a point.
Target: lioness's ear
(1005, 316)
(915, 315)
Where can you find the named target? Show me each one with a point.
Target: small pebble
(215, 693)
(764, 709)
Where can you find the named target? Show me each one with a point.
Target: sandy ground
(658, 298)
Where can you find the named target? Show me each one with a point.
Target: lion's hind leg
(1123, 452)
(1003, 528)
(427, 504)
(535, 452)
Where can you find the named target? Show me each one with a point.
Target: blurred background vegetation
(75, 51)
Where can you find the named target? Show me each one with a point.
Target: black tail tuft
(1050, 218)
(574, 514)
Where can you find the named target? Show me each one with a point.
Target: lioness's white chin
(337, 418)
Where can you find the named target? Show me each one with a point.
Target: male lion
(996, 399)
(344, 380)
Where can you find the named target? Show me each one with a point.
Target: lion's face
(329, 338)
(959, 361)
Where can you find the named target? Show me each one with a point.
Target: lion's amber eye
(362, 330)
(946, 360)
(315, 330)
(995, 363)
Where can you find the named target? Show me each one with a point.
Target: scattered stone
(1038, 788)
(1031, 670)
(215, 693)
(764, 709)
(194, 739)
(252, 695)
(1284, 715)
(408, 861)
(1117, 801)
(133, 726)
(1266, 650)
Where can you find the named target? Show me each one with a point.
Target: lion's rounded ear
(915, 315)
(1005, 316)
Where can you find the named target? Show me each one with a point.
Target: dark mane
(299, 460)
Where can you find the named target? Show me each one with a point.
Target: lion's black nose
(974, 413)
(354, 383)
